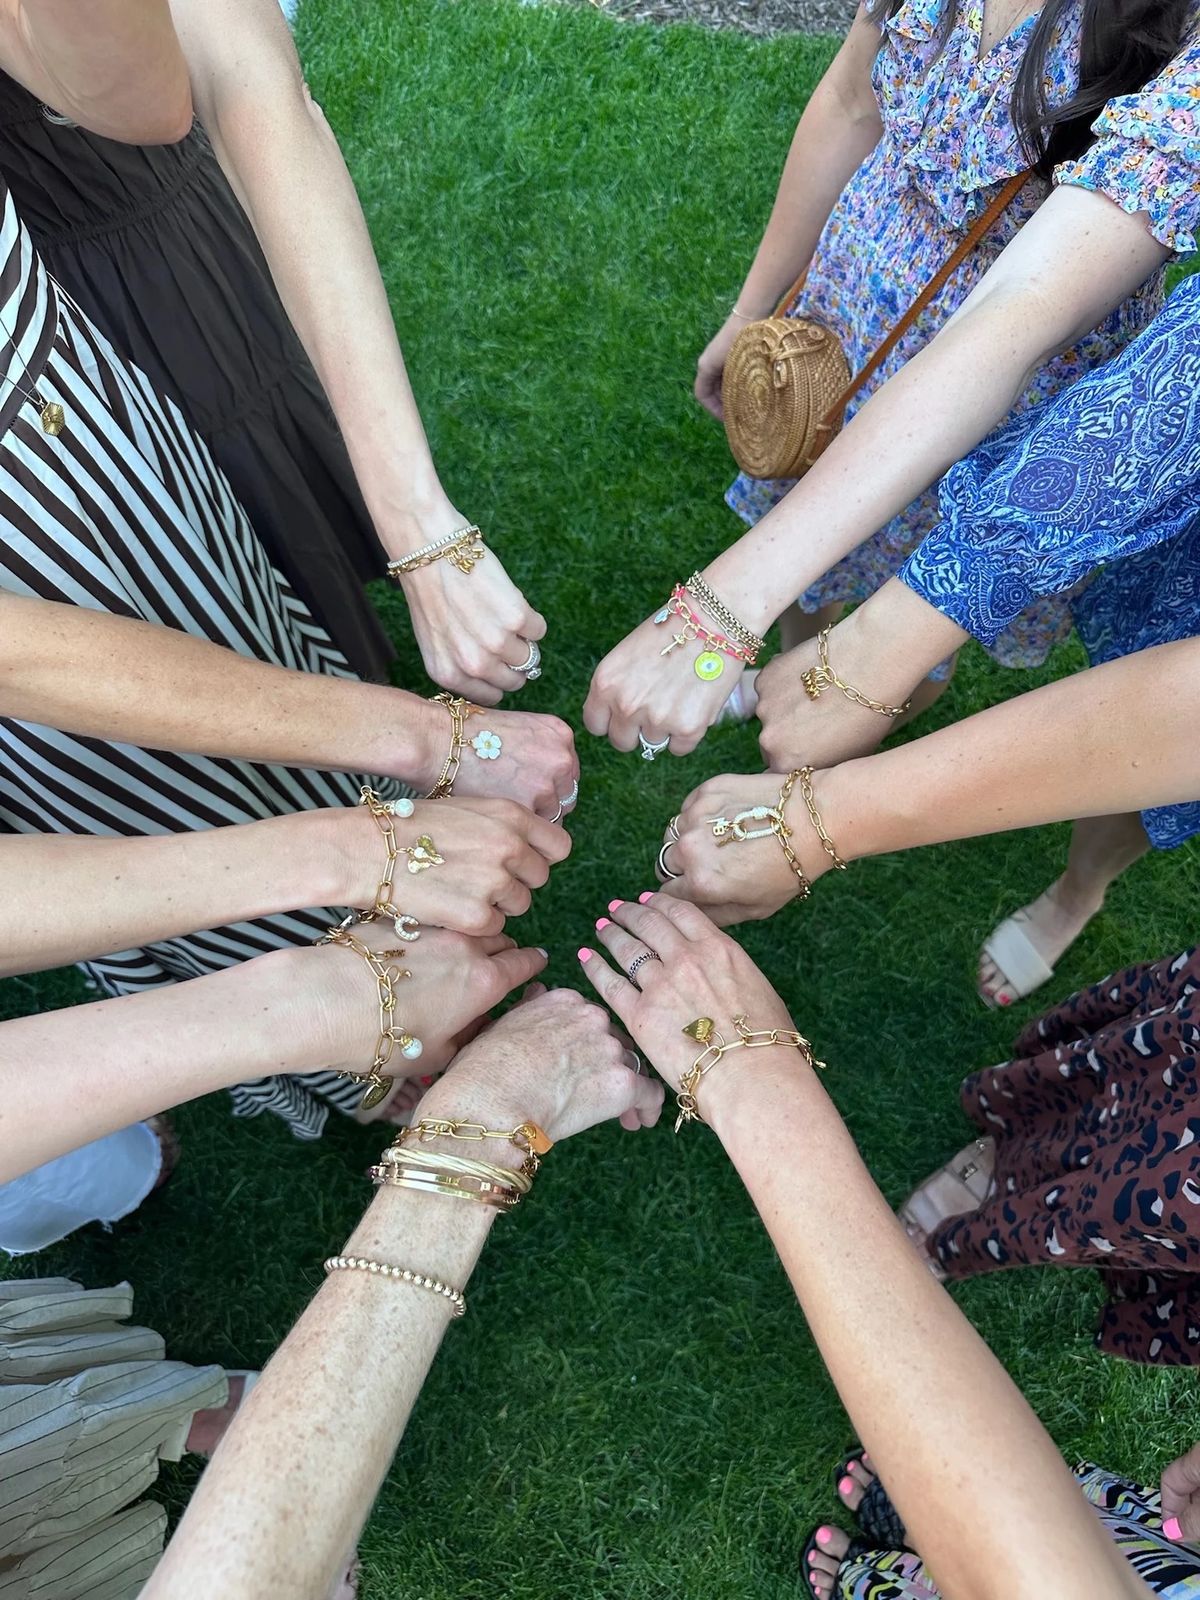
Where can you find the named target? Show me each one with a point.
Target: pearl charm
(412, 1048)
(400, 808)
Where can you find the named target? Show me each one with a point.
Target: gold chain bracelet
(784, 834)
(407, 928)
(817, 679)
(716, 1047)
(720, 613)
(459, 710)
(463, 549)
(805, 774)
(379, 1084)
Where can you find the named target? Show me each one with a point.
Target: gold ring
(665, 875)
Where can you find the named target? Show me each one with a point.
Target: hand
(473, 629)
(637, 690)
(710, 369)
(495, 854)
(748, 880)
(1181, 1496)
(537, 765)
(455, 981)
(553, 1060)
(701, 972)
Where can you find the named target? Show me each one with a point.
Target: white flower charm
(400, 808)
(487, 745)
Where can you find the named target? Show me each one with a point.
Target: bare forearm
(1112, 739)
(838, 130)
(111, 678)
(69, 899)
(923, 1398)
(282, 1503)
(1077, 258)
(112, 1063)
(114, 66)
(284, 162)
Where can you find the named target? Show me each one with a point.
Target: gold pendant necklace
(52, 416)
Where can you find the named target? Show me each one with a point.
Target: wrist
(893, 640)
(731, 1099)
(407, 521)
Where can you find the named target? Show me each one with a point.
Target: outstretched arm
(113, 678)
(922, 1397)
(299, 1010)
(281, 1504)
(1115, 738)
(284, 164)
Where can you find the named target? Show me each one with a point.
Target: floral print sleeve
(1108, 468)
(1147, 154)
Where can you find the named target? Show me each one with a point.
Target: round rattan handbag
(787, 382)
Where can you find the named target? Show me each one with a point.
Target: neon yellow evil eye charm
(709, 665)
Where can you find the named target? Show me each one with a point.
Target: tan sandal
(960, 1187)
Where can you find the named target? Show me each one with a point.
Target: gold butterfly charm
(423, 854)
(701, 1030)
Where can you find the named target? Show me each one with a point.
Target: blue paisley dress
(1108, 472)
(948, 145)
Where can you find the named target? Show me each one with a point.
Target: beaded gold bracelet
(415, 1280)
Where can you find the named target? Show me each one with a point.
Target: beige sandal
(955, 1190)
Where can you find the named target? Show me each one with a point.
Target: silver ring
(634, 1062)
(567, 803)
(557, 817)
(640, 961)
(665, 875)
(649, 751)
(531, 667)
(673, 830)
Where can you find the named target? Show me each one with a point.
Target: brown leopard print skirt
(1096, 1122)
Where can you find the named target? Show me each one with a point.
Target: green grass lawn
(562, 206)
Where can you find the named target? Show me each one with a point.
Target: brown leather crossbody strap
(975, 233)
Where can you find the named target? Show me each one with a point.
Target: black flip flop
(878, 1520)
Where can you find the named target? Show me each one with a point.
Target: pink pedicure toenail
(603, 923)
(426, 1082)
(642, 898)
(846, 1486)
(585, 954)
(824, 1535)
(1003, 999)
(614, 904)
(1172, 1529)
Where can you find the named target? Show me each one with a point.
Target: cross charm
(686, 633)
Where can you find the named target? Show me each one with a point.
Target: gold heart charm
(701, 1030)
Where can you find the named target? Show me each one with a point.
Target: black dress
(153, 245)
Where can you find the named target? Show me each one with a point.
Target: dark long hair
(1124, 44)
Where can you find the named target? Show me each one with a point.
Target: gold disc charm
(54, 418)
(378, 1088)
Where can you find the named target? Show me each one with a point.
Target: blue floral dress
(1107, 472)
(948, 145)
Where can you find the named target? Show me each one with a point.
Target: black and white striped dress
(125, 512)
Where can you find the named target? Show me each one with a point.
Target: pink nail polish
(812, 1558)
(642, 898)
(585, 954)
(603, 923)
(427, 1082)
(614, 904)
(846, 1486)
(1003, 999)
(1172, 1530)
(824, 1535)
